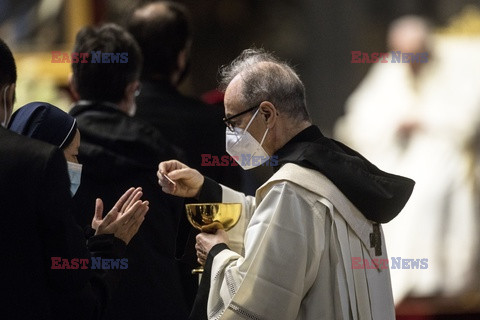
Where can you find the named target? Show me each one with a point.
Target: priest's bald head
(266, 95)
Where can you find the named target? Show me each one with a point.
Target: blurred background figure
(418, 119)
(117, 151)
(391, 108)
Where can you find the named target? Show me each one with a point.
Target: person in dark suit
(118, 150)
(162, 30)
(38, 227)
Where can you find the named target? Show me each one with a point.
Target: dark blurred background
(316, 36)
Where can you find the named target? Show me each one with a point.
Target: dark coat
(37, 224)
(118, 152)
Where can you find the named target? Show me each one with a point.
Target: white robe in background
(440, 221)
(294, 244)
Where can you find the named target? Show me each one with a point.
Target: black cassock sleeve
(199, 310)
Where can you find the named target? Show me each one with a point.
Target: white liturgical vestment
(291, 255)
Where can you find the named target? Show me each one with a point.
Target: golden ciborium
(208, 217)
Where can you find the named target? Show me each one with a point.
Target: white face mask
(75, 174)
(244, 148)
(7, 117)
(132, 110)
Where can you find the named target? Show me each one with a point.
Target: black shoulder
(25, 152)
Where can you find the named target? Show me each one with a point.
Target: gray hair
(265, 78)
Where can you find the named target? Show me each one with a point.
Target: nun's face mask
(74, 168)
(75, 174)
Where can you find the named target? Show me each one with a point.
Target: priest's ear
(73, 87)
(268, 113)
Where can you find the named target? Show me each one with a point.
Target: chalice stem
(198, 270)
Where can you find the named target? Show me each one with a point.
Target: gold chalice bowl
(208, 217)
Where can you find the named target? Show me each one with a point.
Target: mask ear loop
(250, 122)
(5, 121)
(264, 136)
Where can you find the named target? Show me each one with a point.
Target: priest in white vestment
(309, 245)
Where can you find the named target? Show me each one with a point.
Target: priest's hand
(206, 241)
(179, 180)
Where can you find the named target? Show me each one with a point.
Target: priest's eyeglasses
(227, 120)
